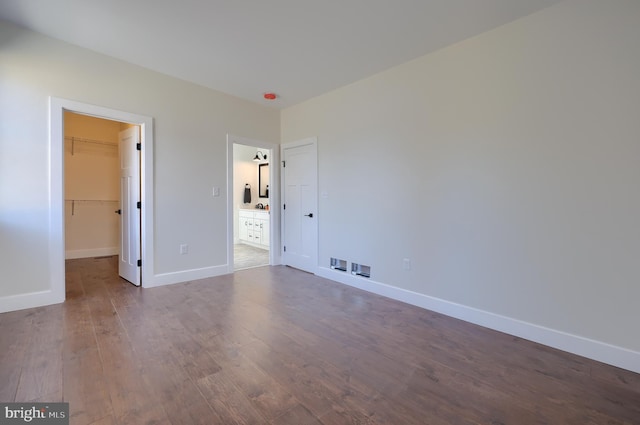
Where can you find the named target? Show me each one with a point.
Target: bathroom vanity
(253, 228)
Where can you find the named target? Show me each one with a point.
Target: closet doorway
(57, 108)
(102, 191)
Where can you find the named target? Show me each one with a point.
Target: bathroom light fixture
(260, 157)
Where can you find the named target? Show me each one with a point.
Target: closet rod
(73, 202)
(74, 139)
(92, 200)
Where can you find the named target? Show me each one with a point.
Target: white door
(300, 205)
(129, 267)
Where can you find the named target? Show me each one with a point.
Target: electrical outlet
(216, 192)
(406, 264)
(184, 249)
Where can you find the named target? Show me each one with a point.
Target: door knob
(310, 215)
(118, 211)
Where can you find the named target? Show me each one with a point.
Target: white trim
(188, 275)
(595, 350)
(274, 197)
(94, 252)
(57, 107)
(30, 300)
(56, 202)
(313, 141)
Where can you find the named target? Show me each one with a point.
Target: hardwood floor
(274, 345)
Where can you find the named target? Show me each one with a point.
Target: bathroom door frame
(274, 197)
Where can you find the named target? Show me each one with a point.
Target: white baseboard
(88, 253)
(592, 349)
(30, 300)
(42, 298)
(186, 275)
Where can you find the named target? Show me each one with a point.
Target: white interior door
(300, 205)
(129, 267)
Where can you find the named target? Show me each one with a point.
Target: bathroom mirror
(263, 180)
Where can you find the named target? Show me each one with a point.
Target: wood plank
(78, 330)
(299, 415)
(229, 404)
(85, 388)
(14, 339)
(42, 368)
(107, 420)
(181, 400)
(303, 382)
(267, 396)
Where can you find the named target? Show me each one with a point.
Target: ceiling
(298, 49)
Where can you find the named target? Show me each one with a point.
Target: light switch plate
(406, 264)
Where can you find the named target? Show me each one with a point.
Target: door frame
(57, 108)
(313, 141)
(274, 195)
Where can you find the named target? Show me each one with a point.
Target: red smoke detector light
(270, 96)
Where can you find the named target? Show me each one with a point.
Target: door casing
(57, 107)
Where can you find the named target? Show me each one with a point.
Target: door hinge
(285, 248)
(139, 204)
(139, 146)
(284, 164)
(139, 263)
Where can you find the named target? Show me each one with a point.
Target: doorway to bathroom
(252, 204)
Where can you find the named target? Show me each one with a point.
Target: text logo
(34, 413)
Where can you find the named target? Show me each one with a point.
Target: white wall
(190, 127)
(506, 167)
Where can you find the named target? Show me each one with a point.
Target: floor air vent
(338, 264)
(360, 270)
